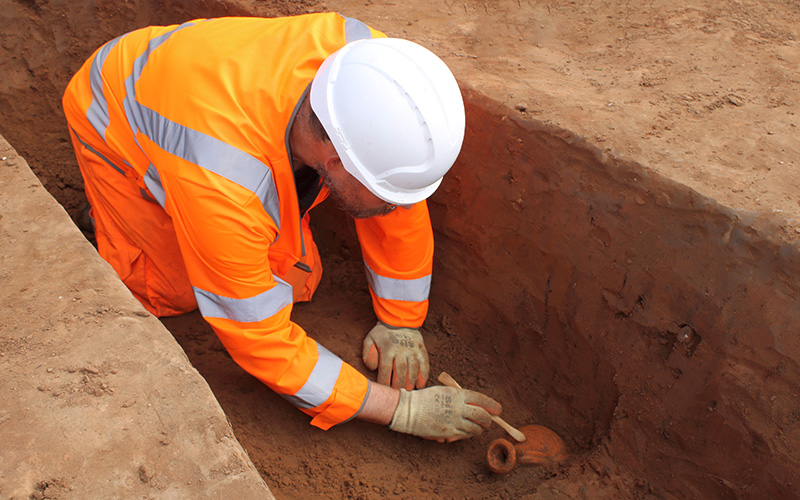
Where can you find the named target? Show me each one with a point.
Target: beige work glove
(399, 354)
(443, 413)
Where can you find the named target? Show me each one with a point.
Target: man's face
(352, 196)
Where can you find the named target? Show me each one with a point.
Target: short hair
(316, 126)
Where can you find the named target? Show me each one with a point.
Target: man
(203, 146)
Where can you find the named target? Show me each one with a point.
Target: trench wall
(98, 399)
(643, 317)
(634, 316)
(652, 328)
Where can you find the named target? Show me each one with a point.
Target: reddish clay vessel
(543, 447)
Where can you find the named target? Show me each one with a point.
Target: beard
(346, 200)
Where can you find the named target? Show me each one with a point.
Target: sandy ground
(704, 92)
(686, 115)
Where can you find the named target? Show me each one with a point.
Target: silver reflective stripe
(97, 114)
(415, 290)
(196, 147)
(132, 109)
(152, 179)
(250, 310)
(213, 155)
(355, 30)
(319, 386)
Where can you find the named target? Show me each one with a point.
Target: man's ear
(333, 163)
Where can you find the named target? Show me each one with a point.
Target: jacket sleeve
(225, 243)
(398, 256)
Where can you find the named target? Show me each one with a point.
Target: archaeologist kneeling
(203, 147)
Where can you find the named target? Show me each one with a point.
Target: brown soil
(616, 248)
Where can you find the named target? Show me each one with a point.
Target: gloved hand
(400, 355)
(443, 413)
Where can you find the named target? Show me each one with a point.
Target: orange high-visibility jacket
(198, 114)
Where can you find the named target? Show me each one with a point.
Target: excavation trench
(648, 326)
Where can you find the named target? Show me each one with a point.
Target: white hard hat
(394, 113)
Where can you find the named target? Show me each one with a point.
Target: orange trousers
(135, 235)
